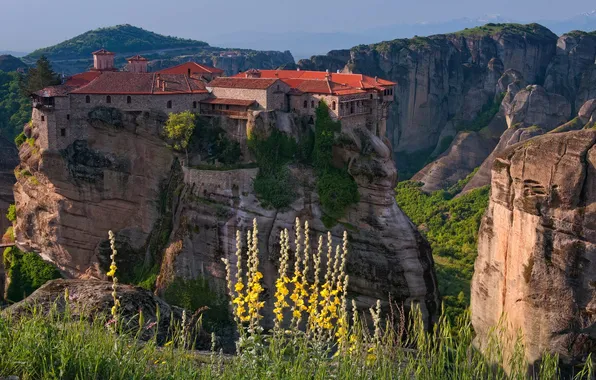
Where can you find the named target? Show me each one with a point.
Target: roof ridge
(188, 83)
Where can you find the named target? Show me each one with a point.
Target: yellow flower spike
(239, 286)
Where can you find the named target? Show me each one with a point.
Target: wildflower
(150, 325)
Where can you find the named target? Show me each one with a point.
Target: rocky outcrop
(92, 299)
(536, 260)
(446, 78)
(124, 178)
(68, 200)
(388, 257)
(9, 159)
(529, 112)
(572, 72)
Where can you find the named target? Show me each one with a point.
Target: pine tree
(38, 77)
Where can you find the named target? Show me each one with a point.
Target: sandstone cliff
(446, 79)
(537, 248)
(67, 200)
(9, 159)
(184, 220)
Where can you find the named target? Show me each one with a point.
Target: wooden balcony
(242, 115)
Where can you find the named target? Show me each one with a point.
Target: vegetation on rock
(484, 117)
(336, 188)
(27, 272)
(179, 129)
(451, 226)
(11, 213)
(274, 184)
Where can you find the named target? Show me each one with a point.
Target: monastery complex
(357, 100)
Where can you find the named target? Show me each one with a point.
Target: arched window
(188, 72)
(194, 104)
(67, 116)
(371, 96)
(87, 99)
(333, 106)
(169, 105)
(312, 104)
(108, 99)
(305, 104)
(43, 118)
(128, 100)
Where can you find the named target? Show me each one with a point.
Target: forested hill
(118, 39)
(74, 55)
(10, 63)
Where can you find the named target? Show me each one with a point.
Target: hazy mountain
(13, 53)
(304, 44)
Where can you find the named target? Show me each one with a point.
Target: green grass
(55, 345)
(451, 226)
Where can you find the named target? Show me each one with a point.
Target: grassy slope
(118, 39)
(451, 226)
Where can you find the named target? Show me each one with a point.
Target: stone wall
(260, 96)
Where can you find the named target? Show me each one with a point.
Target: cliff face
(537, 247)
(445, 80)
(9, 159)
(184, 220)
(388, 257)
(68, 200)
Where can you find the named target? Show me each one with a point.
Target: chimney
(137, 64)
(297, 68)
(327, 75)
(158, 80)
(103, 60)
(338, 71)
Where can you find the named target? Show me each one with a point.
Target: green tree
(38, 77)
(179, 129)
(15, 108)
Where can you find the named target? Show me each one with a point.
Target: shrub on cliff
(335, 186)
(179, 129)
(274, 184)
(11, 214)
(27, 272)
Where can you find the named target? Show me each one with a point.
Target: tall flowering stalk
(112, 273)
(281, 289)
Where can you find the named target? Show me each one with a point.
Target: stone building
(358, 101)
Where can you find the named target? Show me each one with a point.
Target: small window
(62, 132)
(341, 106)
(194, 104)
(333, 106)
(169, 105)
(371, 96)
(43, 118)
(213, 106)
(188, 72)
(227, 106)
(108, 99)
(305, 104)
(128, 100)
(67, 116)
(312, 104)
(87, 99)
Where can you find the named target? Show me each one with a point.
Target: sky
(31, 24)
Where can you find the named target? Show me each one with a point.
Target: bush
(27, 272)
(20, 139)
(337, 190)
(11, 214)
(335, 186)
(274, 184)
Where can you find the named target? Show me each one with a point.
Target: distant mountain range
(13, 53)
(320, 43)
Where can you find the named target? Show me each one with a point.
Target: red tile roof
(82, 79)
(246, 83)
(195, 68)
(316, 81)
(102, 52)
(137, 58)
(53, 91)
(141, 84)
(232, 102)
